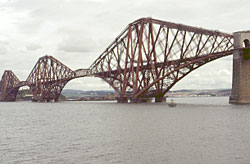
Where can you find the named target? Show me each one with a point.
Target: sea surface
(196, 131)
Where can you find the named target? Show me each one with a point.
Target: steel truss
(9, 86)
(146, 60)
(47, 79)
(150, 56)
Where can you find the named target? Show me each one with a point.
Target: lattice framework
(150, 56)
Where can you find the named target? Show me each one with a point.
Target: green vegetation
(62, 97)
(246, 53)
(26, 94)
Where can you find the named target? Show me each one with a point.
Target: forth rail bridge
(145, 61)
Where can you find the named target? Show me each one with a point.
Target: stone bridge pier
(241, 68)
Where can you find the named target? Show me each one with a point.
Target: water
(197, 130)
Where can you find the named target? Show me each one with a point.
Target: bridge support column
(241, 69)
(160, 99)
(38, 99)
(122, 99)
(141, 100)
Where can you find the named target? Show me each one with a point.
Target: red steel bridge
(145, 61)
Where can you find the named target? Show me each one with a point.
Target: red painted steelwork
(146, 60)
(150, 56)
(48, 78)
(9, 86)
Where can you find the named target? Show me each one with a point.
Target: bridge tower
(9, 86)
(48, 77)
(241, 68)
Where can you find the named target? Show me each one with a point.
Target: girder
(9, 86)
(47, 79)
(147, 58)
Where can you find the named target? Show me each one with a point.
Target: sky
(76, 32)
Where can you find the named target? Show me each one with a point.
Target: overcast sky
(76, 32)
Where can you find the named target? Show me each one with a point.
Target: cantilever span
(46, 80)
(9, 86)
(146, 60)
(150, 56)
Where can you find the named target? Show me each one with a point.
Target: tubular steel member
(146, 60)
(150, 56)
(48, 78)
(9, 86)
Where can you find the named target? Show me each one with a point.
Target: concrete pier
(141, 100)
(160, 99)
(241, 69)
(43, 100)
(122, 99)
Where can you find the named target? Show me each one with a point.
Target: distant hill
(74, 94)
(182, 90)
(26, 94)
(201, 92)
(71, 93)
(195, 90)
(110, 94)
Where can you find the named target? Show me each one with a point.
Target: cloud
(3, 50)
(75, 44)
(76, 39)
(33, 47)
(3, 47)
(88, 83)
(216, 74)
(77, 32)
(2, 42)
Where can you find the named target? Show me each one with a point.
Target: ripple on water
(206, 130)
